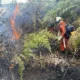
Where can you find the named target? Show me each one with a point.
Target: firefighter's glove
(59, 38)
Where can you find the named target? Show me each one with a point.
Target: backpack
(69, 29)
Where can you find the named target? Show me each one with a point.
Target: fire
(16, 11)
(15, 32)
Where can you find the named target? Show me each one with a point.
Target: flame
(16, 11)
(15, 32)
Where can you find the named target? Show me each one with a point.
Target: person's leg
(66, 49)
(62, 49)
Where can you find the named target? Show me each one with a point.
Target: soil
(5, 72)
(59, 71)
(73, 73)
(54, 70)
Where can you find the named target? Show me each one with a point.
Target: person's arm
(63, 30)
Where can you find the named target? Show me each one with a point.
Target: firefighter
(61, 34)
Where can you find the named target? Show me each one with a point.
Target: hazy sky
(8, 1)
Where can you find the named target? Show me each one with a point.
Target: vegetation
(38, 37)
(34, 45)
(37, 40)
(74, 41)
(33, 20)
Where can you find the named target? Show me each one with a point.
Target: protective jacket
(64, 40)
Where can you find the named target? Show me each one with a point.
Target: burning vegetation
(16, 34)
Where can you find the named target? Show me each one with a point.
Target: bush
(74, 41)
(76, 23)
(37, 41)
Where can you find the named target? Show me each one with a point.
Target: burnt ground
(55, 72)
(73, 73)
(5, 72)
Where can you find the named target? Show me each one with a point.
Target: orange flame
(15, 32)
(16, 11)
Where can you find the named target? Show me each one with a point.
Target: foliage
(20, 62)
(33, 40)
(67, 9)
(21, 68)
(36, 14)
(76, 23)
(37, 40)
(36, 17)
(74, 41)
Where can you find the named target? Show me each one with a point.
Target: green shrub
(74, 41)
(21, 67)
(37, 40)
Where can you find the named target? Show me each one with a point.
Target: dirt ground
(60, 71)
(73, 73)
(49, 72)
